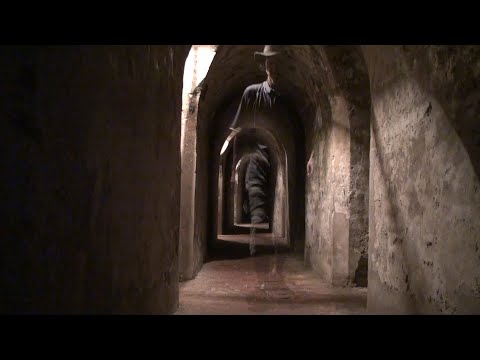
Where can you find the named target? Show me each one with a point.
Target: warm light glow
(196, 68)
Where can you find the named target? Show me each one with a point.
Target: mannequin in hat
(257, 99)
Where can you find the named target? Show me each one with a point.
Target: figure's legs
(257, 216)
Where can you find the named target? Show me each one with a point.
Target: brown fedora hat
(268, 50)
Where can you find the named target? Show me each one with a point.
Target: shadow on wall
(458, 66)
(393, 209)
(426, 189)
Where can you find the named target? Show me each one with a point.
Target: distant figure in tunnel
(259, 99)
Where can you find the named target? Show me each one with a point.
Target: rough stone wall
(92, 148)
(359, 195)
(192, 246)
(424, 246)
(340, 187)
(201, 199)
(328, 210)
(193, 220)
(337, 191)
(319, 200)
(187, 187)
(350, 73)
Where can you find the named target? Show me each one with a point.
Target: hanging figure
(259, 99)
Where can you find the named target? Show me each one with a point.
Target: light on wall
(196, 68)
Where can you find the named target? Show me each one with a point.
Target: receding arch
(230, 194)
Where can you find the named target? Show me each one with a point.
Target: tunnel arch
(98, 206)
(279, 224)
(281, 130)
(106, 223)
(330, 99)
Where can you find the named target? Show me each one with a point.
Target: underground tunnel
(123, 186)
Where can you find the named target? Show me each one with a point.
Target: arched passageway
(325, 110)
(362, 217)
(330, 117)
(92, 191)
(232, 218)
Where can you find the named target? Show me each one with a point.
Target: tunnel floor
(233, 284)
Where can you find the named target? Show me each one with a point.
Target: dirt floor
(265, 284)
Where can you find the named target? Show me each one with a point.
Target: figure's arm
(235, 129)
(225, 146)
(241, 110)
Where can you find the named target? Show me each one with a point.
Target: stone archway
(230, 193)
